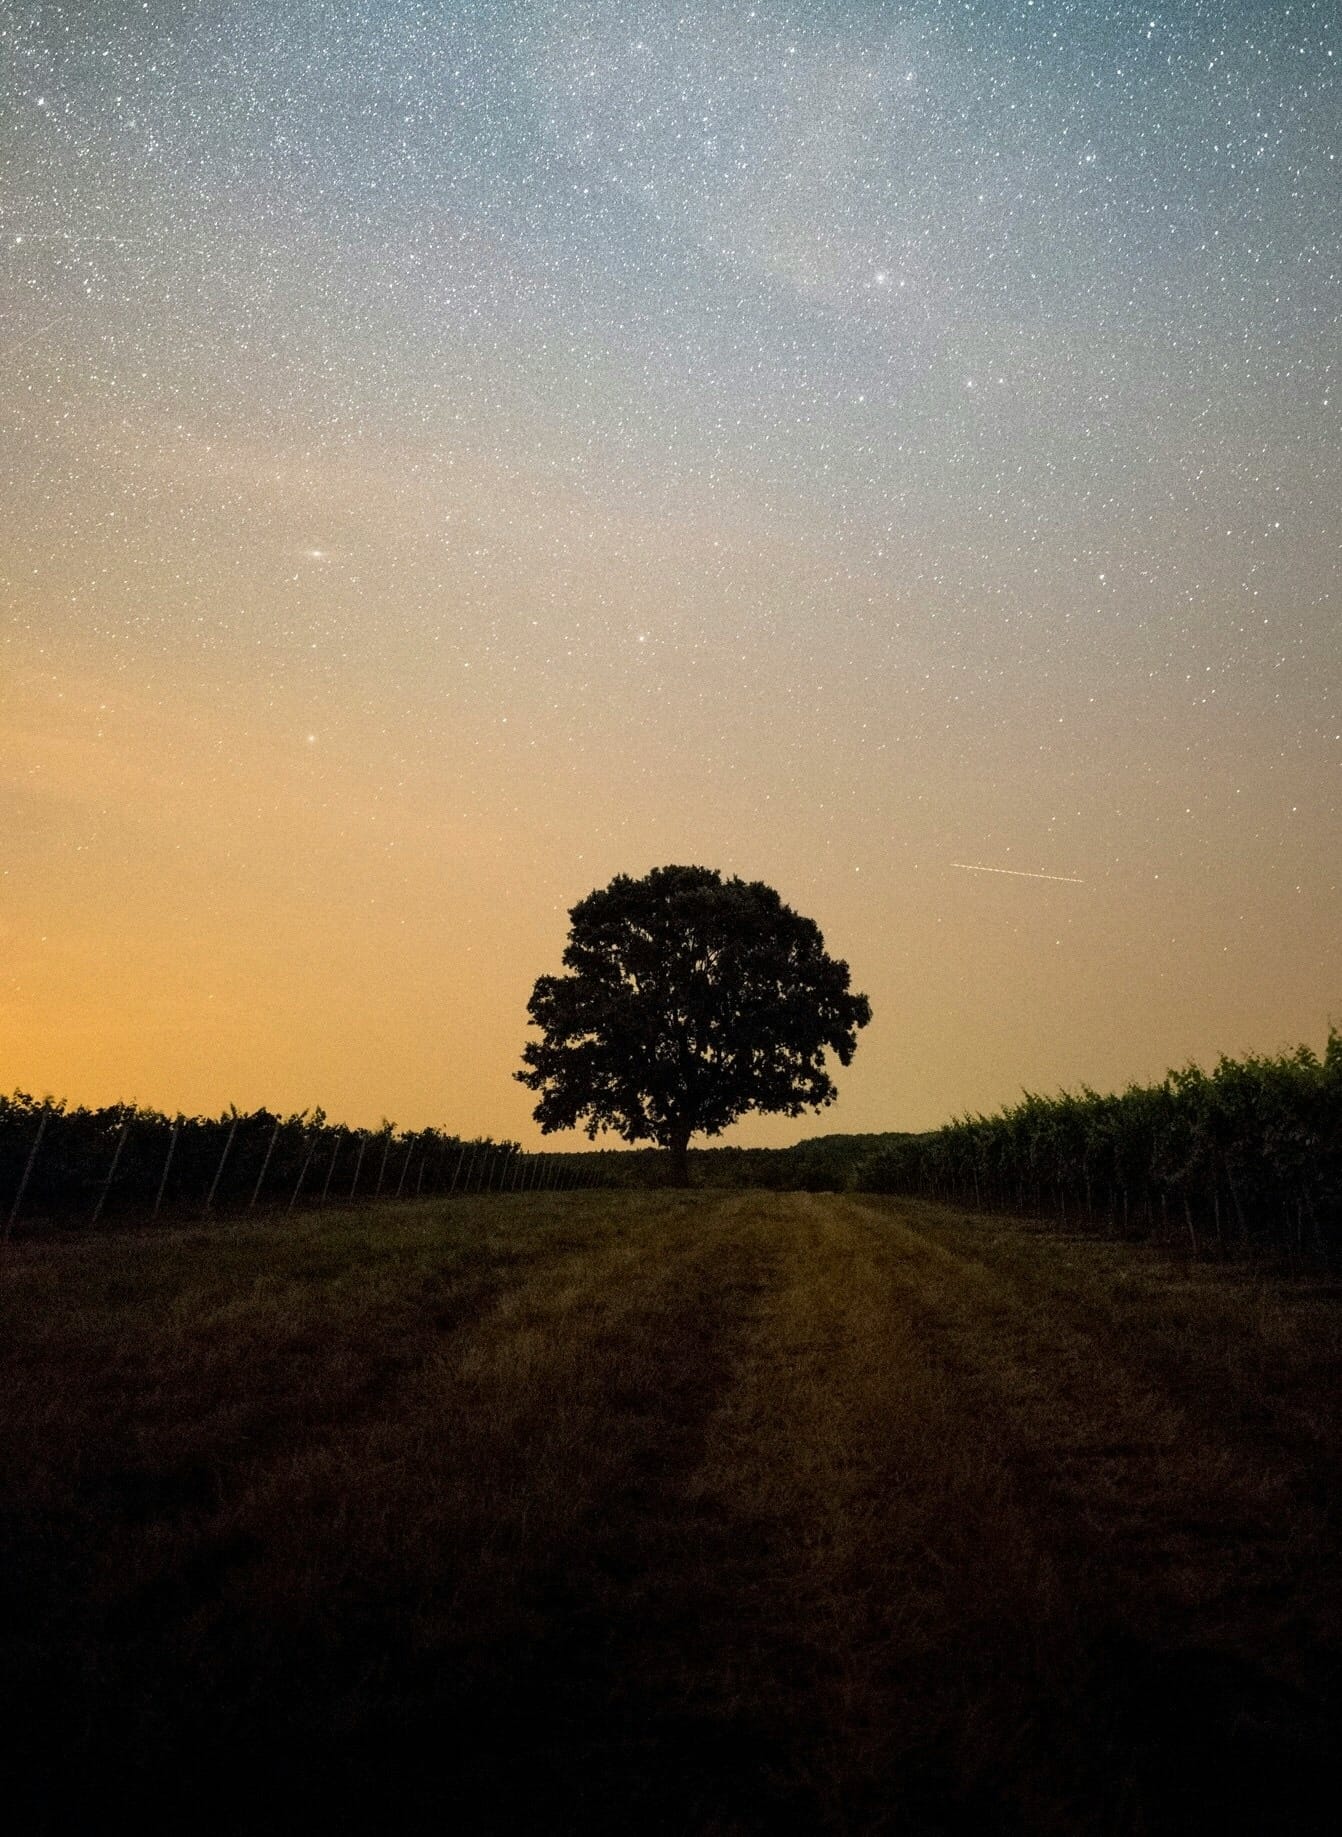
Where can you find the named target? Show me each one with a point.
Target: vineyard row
(71, 1166)
(1245, 1157)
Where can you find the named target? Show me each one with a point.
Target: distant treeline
(1245, 1157)
(824, 1164)
(68, 1165)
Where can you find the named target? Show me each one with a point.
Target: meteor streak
(1021, 873)
(8, 351)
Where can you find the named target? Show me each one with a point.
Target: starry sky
(453, 453)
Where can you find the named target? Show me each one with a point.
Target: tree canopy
(688, 1001)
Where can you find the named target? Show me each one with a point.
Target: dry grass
(715, 1513)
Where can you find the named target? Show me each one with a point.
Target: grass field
(664, 1512)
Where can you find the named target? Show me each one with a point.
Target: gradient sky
(453, 453)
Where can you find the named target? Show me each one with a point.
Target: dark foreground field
(693, 1513)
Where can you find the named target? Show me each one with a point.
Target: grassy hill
(663, 1512)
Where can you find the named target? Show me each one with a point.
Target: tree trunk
(678, 1147)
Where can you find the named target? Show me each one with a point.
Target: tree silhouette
(689, 1000)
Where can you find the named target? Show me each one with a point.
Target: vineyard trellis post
(173, 1134)
(382, 1169)
(330, 1171)
(358, 1163)
(218, 1172)
(265, 1164)
(27, 1173)
(106, 1184)
(303, 1170)
(405, 1169)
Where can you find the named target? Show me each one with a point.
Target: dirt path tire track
(722, 1514)
(525, 1461)
(1012, 1587)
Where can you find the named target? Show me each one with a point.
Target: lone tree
(689, 1000)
